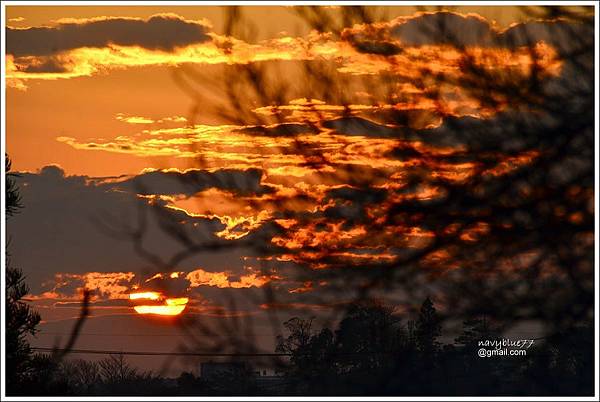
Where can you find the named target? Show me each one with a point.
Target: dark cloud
(414, 118)
(362, 127)
(510, 131)
(63, 228)
(278, 130)
(472, 30)
(500, 132)
(172, 287)
(244, 182)
(349, 204)
(53, 172)
(351, 126)
(159, 32)
(444, 28)
(44, 65)
(559, 34)
(382, 48)
(373, 41)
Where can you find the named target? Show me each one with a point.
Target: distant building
(213, 369)
(264, 379)
(270, 384)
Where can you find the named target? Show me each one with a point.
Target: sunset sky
(114, 114)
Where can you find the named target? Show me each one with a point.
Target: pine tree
(428, 329)
(13, 198)
(21, 319)
(474, 330)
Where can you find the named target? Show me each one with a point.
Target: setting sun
(171, 306)
(145, 295)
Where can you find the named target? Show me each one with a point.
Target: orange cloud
(133, 119)
(200, 277)
(104, 285)
(411, 62)
(147, 120)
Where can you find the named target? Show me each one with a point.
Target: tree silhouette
(114, 369)
(119, 377)
(366, 336)
(371, 354)
(428, 329)
(474, 330)
(29, 373)
(512, 240)
(564, 363)
(83, 376)
(311, 352)
(13, 198)
(21, 319)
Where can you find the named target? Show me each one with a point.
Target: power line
(98, 334)
(198, 354)
(136, 335)
(118, 352)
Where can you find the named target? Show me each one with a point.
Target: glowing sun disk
(145, 295)
(171, 306)
(160, 310)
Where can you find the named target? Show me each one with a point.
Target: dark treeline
(373, 351)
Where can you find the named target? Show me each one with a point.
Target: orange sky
(84, 108)
(118, 110)
(95, 117)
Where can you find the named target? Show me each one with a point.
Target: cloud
(410, 109)
(103, 285)
(164, 32)
(53, 172)
(350, 203)
(127, 145)
(444, 28)
(500, 132)
(69, 53)
(192, 181)
(59, 242)
(200, 277)
(362, 127)
(78, 225)
(133, 119)
(49, 64)
(510, 131)
(122, 117)
(276, 130)
(472, 30)
(222, 147)
(170, 285)
(106, 287)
